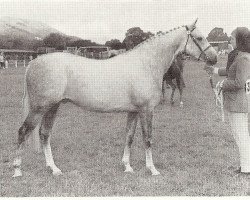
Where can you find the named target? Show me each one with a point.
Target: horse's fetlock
(17, 163)
(43, 138)
(130, 140)
(148, 143)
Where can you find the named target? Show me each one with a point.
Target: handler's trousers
(239, 126)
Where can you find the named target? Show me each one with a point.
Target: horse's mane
(152, 38)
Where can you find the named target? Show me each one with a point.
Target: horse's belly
(104, 100)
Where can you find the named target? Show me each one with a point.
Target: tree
(217, 34)
(114, 44)
(55, 40)
(17, 43)
(83, 43)
(37, 44)
(135, 36)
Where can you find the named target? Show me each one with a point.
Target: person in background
(30, 58)
(6, 63)
(2, 60)
(236, 92)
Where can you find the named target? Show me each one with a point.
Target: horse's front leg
(132, 119)
(146, 118)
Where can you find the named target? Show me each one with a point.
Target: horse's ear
(193, 25)
(195, 21)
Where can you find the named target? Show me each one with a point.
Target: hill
(24, 34)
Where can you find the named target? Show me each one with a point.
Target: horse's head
(198, 46)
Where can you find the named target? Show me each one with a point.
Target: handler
(236, 92)
(2, 64)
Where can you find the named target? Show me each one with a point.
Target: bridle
(189, 33)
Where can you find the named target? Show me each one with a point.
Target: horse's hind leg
(173, 86)
(180, 85)
(45, 132)
(146, 118)
(163, 90)
(132, 119)
(180, 91)
(25, 130)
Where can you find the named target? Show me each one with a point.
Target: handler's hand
(209, 69)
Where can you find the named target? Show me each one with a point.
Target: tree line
(133, 37)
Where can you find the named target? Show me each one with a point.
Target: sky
(104, 20)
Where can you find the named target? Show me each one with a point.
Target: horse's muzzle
(211, 61)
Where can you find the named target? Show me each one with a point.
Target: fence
(95, 55)
(16, 63)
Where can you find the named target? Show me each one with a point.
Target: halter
(196, 43)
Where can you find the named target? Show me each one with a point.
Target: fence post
(16, 63)
(23, 63)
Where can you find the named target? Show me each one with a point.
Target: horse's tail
(26, 109)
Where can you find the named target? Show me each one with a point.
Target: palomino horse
(130, 82)
(175, 72)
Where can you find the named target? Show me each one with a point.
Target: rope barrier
(219, 100)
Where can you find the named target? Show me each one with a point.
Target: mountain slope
(25, 28)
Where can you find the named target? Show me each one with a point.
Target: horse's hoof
(156, 173)
(57, 172)
(153, 170)
(129, 170)
(18, 173)
(162, 101)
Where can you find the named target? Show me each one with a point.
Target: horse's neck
(158, 53)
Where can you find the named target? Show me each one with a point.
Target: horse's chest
(145, 92)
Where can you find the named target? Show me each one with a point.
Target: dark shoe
(238, 171)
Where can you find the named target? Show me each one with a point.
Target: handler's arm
(242, 73)
(222, 71)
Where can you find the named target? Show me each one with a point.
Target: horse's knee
(43, 137)
(148, 143)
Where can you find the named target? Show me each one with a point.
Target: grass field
(194, 151)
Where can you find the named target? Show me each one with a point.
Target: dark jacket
(238, 72)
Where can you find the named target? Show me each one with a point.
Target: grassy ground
(192, 148)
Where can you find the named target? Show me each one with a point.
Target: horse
(130, 83)
(175, 72)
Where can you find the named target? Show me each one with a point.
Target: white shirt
(1, 58)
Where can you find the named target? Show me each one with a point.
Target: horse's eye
(199, 38)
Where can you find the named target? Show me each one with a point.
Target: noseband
(189, 33)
